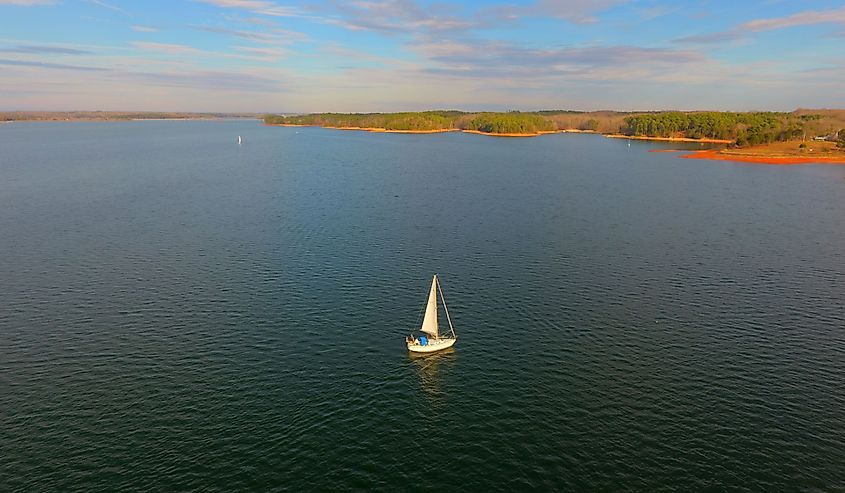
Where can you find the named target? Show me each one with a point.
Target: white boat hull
(432, 346)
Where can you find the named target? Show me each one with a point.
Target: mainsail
(429, 325)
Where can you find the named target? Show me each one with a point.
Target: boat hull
(432, 346)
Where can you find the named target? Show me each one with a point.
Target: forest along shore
(435, 131)
(770, 136)
(515, 124)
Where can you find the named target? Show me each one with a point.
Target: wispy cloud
(143, 29)
(210, 80)
(394, 16)
(490, 60)
(57, 66)
(44, 50)
(108, 6)
(805, 18)
(27, 3)
(338, 50)
(168, 48)
(253, 54)
(576, 11)
(256, 6)
(273, 36)
(257, 21)
(264, 54)
(712, 38)
(254, 20)
(799, 19)
(434, 20)
(651, 13)
(384, 16)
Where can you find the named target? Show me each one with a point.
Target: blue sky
(394, 55)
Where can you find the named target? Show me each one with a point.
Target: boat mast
(446, 309)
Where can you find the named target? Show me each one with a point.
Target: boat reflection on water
(431, 369)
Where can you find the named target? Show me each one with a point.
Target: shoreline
(716, 155)
(491, 134)
(707, 154)
(668, 139)
(436, 131)
(369, 129)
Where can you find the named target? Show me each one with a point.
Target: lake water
(183, 313)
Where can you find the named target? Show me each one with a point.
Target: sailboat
(240, 141)
(431, 327)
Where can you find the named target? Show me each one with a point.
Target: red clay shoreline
(369, 129)
(542, 132)
(710, 154)
(716, 155)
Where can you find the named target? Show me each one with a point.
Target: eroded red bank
(718, 156)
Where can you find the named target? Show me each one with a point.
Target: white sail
(429, 325)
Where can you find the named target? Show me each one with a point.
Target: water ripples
(225, 319)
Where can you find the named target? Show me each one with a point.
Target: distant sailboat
(240, 141)
(431, 327)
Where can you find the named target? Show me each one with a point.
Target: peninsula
(773, 137)
(500, 124)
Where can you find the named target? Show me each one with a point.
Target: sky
(408, 55)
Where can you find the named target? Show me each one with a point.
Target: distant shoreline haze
(7, 116)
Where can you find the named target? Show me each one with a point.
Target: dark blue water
(178, 312)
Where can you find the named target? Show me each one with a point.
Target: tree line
(742, 128)
(749, 128)
(511, 122)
